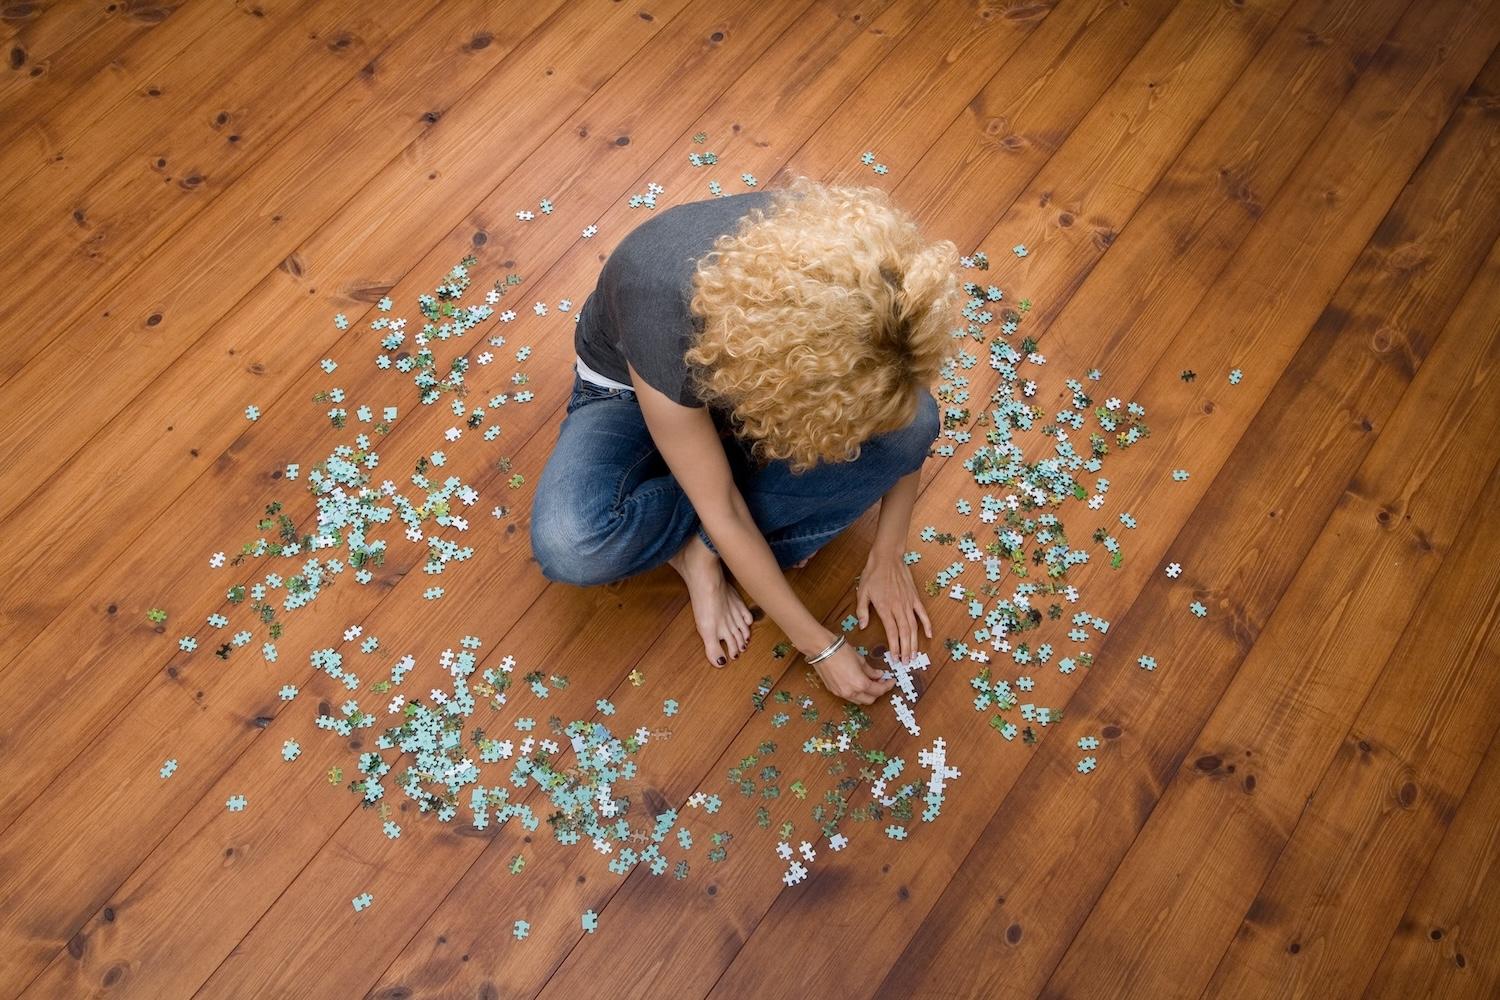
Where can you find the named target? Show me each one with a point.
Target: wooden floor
(1302, 798)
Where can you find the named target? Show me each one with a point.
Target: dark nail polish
(721, 661)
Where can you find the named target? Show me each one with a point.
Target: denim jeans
(607, 507)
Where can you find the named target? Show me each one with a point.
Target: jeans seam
(639, 495)
(620, 486)
(806, 535)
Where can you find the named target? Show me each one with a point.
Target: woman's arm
(894, 524)
(689, 442)
(886, 580)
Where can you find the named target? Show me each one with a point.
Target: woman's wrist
(820, 655)
(814, 643)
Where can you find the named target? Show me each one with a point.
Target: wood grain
(1446, 941)
(1300, 799)
(72, 117)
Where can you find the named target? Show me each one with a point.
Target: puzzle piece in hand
(902, 672)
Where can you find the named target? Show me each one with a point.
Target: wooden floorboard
(88, 113)
(1033, 855)
(1298, 800)
(54, 45)
(84, 225)
(1369, 828)
(1446, 941)
(1231, 801)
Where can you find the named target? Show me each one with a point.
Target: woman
(753, 375)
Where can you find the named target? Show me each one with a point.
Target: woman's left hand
(886, 584)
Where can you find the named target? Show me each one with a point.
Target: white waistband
(589, 375)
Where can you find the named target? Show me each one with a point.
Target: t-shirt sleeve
(649, 310)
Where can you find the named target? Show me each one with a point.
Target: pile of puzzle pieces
(581, 766)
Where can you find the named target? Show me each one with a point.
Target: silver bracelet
(828, 651)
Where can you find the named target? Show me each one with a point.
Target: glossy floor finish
(1300, 799)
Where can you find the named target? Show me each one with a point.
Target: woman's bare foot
(723, 620)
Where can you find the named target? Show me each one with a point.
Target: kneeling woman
(753, 375)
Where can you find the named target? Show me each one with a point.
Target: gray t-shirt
(639, 308)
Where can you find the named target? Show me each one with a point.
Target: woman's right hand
(850, 676)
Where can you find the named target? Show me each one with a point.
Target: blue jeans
(607, 507)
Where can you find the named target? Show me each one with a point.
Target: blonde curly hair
(822, 320)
